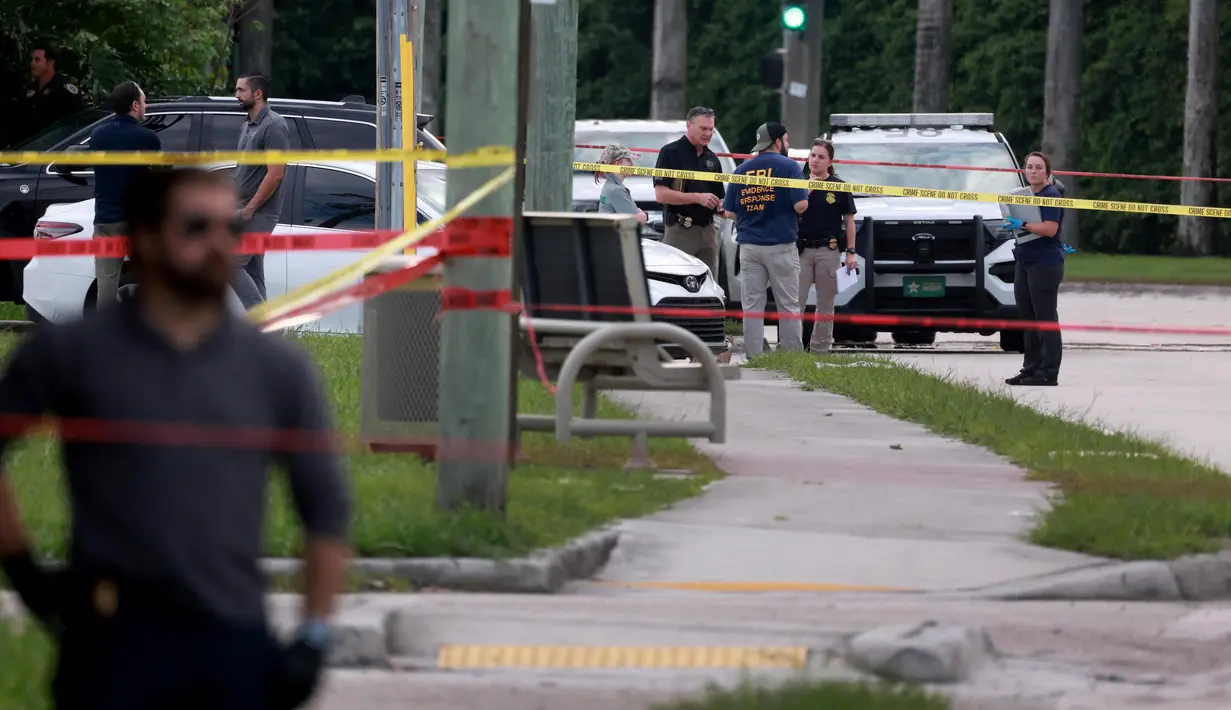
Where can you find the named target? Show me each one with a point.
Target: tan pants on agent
(701, 242)
(106, 270)
(763, 268)
(819, 267)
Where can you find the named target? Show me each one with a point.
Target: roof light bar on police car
(864, 120)
(869, 119)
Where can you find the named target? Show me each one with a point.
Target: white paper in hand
(846, 278)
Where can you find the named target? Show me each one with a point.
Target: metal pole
(384, 124)
(396, 197)
(476, 360)
(525, 67)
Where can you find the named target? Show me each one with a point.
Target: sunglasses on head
(197, 226)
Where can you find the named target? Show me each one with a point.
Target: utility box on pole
(400, 370)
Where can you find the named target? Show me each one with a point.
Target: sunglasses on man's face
(197, 226)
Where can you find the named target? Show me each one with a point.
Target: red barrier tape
(1075, 173)
(371, 287)
(891, 320)
(462, 299)
(483, 236)
(163, 434)
(479, 236)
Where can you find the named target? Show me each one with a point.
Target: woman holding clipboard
(826, 242)
(1036, 280)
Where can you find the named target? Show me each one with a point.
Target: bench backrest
(583, 259)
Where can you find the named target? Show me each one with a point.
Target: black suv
(191, 123)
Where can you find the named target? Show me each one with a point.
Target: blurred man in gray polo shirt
(260, 186)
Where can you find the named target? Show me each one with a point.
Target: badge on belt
(687, 222)
(833, 243)
(105, 598)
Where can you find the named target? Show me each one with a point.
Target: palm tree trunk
(1196, 234)
(933, 50)
(1062, 99)
(667, 99)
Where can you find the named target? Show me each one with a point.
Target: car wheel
(1013, 341)
(915, 337)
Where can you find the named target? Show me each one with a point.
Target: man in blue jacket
(767, 224)
(123, 132)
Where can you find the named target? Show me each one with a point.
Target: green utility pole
(476, 357)
(553, 106)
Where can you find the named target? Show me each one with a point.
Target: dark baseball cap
(767, 134)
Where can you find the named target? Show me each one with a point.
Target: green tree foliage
(1135, 55)
(326, 49)
(168, 46)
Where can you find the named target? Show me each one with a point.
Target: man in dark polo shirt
(690, 206)
(172, 410)
(260, 186)
(123, 132)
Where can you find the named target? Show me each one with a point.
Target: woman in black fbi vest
(826, 243)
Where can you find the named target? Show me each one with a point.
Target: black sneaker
(1017, 379)
(1038, 381)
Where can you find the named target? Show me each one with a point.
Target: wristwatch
(315, 633)
(850, 250)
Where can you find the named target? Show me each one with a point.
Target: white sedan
(332, 197)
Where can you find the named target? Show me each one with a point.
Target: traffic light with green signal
(794, 17)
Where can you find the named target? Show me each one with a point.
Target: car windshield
(58, 131)
(633, 140)
(983, 155)
(430, 188)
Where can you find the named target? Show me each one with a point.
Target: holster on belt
(815, 242)
(93, 597)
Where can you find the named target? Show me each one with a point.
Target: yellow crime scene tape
(345, 275)
(1066, 203)
(485, 157)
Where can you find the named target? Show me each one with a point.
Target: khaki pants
(701, 242)
(819, 267)
(762, 268)
(107, 271)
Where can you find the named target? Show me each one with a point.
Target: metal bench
(586, 320)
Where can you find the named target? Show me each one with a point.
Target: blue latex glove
(1011, 224)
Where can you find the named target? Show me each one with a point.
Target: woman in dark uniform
(1036, 280)
(830, 216)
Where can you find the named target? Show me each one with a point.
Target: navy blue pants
(142, 660)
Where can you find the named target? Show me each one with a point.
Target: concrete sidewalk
(823, 493)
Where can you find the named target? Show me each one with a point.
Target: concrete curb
(1192, 578)
(371, 634)
(544, 572)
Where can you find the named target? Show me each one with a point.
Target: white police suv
(922, 256)
(928, 257)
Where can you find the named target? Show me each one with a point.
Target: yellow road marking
(755, 586)
(467, 656)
